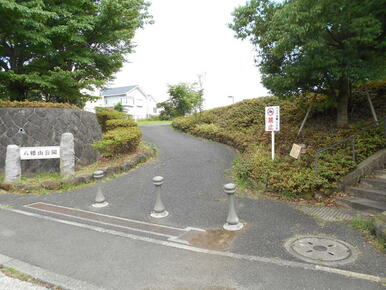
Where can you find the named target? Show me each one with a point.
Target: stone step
(380, 173)
(369, 193)
(375, 183)
(364, 204)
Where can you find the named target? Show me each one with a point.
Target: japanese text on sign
(295, 151)
(47, 152)
(272, 118)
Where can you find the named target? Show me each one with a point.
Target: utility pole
(201, 84)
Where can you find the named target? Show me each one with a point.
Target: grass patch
(11, 272)
(366, 226)
(40, 178)
(142, 123)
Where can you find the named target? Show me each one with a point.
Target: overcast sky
(189, 38)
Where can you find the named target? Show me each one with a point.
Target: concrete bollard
(159, 210)
(233, 222)
(12, 164)
(67, 155)
(100, 200)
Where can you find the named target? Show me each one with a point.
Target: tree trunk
(371, 105)
(342, 112)
(304, 120)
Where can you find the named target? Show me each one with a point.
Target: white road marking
(104, 223)
(101, 214)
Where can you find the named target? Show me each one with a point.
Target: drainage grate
(321, 250)
(326, 213)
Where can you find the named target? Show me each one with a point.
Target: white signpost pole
(273, 144)
(272, 123)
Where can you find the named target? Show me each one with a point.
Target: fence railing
(351, 139)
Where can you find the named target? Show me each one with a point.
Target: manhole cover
(321, 250)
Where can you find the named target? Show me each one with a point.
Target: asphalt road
(194, 171)
(112, 262)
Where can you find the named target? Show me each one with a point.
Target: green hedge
(121, 134)
(105, 114)
(119, 141)
(119, 123)
(32, 104)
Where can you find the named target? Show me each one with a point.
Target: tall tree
(50, 50)
(316, 45)
(184, 99)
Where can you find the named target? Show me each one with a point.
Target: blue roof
(116, 91)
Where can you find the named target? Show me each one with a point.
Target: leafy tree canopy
(51, 50)
(184, 99)
(320, 46)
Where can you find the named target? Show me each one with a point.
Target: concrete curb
(45, 276)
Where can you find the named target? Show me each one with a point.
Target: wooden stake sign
(297, 150)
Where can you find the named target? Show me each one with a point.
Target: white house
(133, 99)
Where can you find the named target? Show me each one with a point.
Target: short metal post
(159, 210)
(100, 200)
(232, 223)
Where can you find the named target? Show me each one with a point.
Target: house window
(106, 101)
(140, 102)
(155, 110)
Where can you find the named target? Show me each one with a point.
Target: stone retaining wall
(29, 127)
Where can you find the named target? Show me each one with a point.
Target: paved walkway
(105, 251)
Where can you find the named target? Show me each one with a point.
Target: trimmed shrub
(285, 177)
(121, 134)
(119, 123)
(33, 104)
(119, 141)
(184, 123)
(105, 114)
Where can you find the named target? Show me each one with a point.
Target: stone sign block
(67, 155)
(12, 164)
